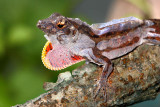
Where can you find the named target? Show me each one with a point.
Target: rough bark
(136, 78)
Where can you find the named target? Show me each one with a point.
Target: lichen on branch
(136, 78)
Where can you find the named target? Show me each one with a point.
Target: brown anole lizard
(71, 40)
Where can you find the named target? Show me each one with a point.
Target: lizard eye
(61, 24)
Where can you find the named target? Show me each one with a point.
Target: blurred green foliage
(22, 73)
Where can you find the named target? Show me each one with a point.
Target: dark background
(22, 73)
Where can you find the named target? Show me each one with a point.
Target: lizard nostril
(40, 25)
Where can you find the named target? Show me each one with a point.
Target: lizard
(71, 40)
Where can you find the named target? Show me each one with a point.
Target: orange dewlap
(57, 57)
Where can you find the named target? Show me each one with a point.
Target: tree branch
(136, 78)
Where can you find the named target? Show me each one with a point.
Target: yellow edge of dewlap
(43, 57)
(47, 63)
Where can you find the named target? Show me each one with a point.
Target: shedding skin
(98, 43)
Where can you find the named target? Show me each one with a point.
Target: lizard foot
(102, 85)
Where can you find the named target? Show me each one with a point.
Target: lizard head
(59, 32)
(58, 26)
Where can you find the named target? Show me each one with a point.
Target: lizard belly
(119, 51)
(119, 46)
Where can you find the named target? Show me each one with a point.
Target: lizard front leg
(107, 70)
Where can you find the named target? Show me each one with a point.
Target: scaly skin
(99, 43)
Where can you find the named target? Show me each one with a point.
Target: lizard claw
(102, 84)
